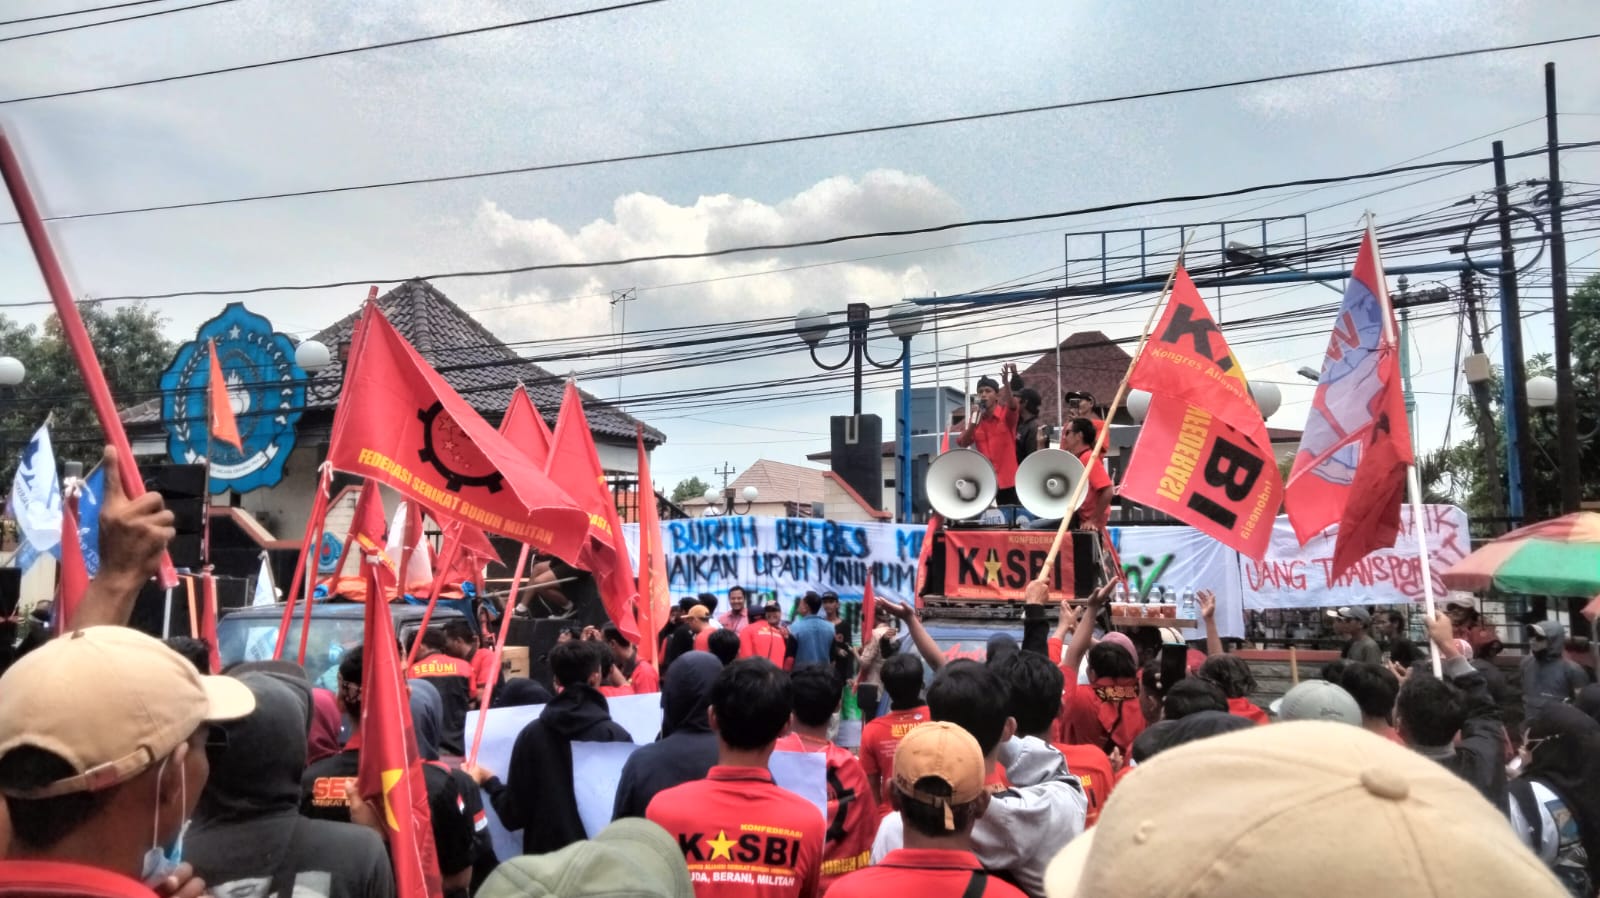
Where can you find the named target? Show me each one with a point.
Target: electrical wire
(79, 12)
(143, 15)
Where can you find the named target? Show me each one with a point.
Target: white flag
(36, 495)
(266, 593)
(420, 569)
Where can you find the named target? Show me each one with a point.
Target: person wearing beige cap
(103, 740)
(939, 790)
(1236, 816)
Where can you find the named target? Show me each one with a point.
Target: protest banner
(1179, 558)
(1296, 576)
(998, 564)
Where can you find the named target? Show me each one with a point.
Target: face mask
(159, 862)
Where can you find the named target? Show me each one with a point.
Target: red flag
(208, 619)
(74, 572)
(368, 536)
(224, 427)
(525, 427)
(869, 609)
(1203, 454)
(473, 551)
(400, 423)
(1358, 396)
(575, 466)
(655, 600)
(935, 521)
(389, 772)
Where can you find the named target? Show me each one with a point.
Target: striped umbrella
(1558, 557)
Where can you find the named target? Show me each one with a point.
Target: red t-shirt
(645, 678)
(1098, 480)
(702, 640)
(763, 640)
(879, 738)
(852, 811)
(996, 437)
(615, 691)
(1243, 707)
(40, 879)
(919, 872)
(1104, 713)
(742, 835)
(1092, 768)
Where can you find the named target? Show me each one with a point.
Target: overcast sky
(693, 72)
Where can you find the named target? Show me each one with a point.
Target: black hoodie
(687, 748)
(248, 836)
(537, 797)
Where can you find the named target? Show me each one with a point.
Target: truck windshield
(253, 639)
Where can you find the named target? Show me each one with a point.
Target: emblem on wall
(265, 387)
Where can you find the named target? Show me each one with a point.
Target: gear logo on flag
(453, 454)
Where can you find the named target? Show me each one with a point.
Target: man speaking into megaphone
(992, 430)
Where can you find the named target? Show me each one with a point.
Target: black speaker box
(539, 636)
(149, 611)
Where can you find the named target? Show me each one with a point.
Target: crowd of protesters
(1074, 763)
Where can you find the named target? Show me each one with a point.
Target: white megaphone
(1045, 481)
(961, 484)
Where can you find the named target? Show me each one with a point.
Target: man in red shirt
(461, 642)
(640, 674)
(852, 810)
(457, 687)
(939, 791)
(993, 431)
(742, 835)
(1078, 439)
(766, 638)
(880, 737)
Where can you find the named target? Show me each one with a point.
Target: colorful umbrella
(1558, 557)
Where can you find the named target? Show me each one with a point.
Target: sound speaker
(150, 610)
(856, 448)
(10, 590)
(1045, 481)
(961, 484)
(183, 489)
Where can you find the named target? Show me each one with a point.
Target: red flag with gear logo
(525, 427)
(574, 464)
(389, 772)
(400, 423)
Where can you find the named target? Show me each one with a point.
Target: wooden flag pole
(1082, 486)
(72, 327)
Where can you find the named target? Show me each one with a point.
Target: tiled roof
(472, 359)
(776, 481)
(1090, 362)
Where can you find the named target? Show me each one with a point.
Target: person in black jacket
(687, 748)
(537, 796)
(1433, 712)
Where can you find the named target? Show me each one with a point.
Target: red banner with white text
(999, 564)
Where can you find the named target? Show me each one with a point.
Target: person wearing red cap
(742, 835)
(939, 790)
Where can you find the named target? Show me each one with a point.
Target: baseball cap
(111, 701)
(698, 612)
(1460, 600)
(632, 856)
(1352, 612)
(943, 751)
(1318, 700)
(1406, 825)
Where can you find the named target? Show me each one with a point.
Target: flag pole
(310, 543)
(1413, 482)
(452, 541)
(499, 650)
(1095, 452)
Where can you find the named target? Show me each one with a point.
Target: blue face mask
(160, 861)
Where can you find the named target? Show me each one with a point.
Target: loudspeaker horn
(961, 484)
(1045, 481)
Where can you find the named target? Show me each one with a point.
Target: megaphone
(1045, 481)
(961, 484)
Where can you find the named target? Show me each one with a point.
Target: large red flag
(574, 465)
(525, 427)
(400, 423)
(655, 600)
(224, 427)
(1203, 454)
(869, 609)
(1350, 468)
(389, 772)
(208, 620)
(74, 571)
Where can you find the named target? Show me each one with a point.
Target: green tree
(692, 488)
(133, 352)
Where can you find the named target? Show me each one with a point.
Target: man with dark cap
(687, 747)
(767, 637)
(248, 835)
(1352, 622)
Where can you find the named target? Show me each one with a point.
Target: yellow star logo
(721, 846)
(391, 778)
(991, 569)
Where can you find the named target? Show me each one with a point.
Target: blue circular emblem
(266, 390)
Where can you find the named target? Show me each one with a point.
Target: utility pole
(1410, 399)
(1514, 370)
(622, 298)
(1566, 401)
(1478, 374)
(727, 471)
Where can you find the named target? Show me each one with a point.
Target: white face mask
(159, 862)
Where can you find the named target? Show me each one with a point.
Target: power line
(79, 12)
(800, 244)
(749, 144)
(326, 54)
(143, 15)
